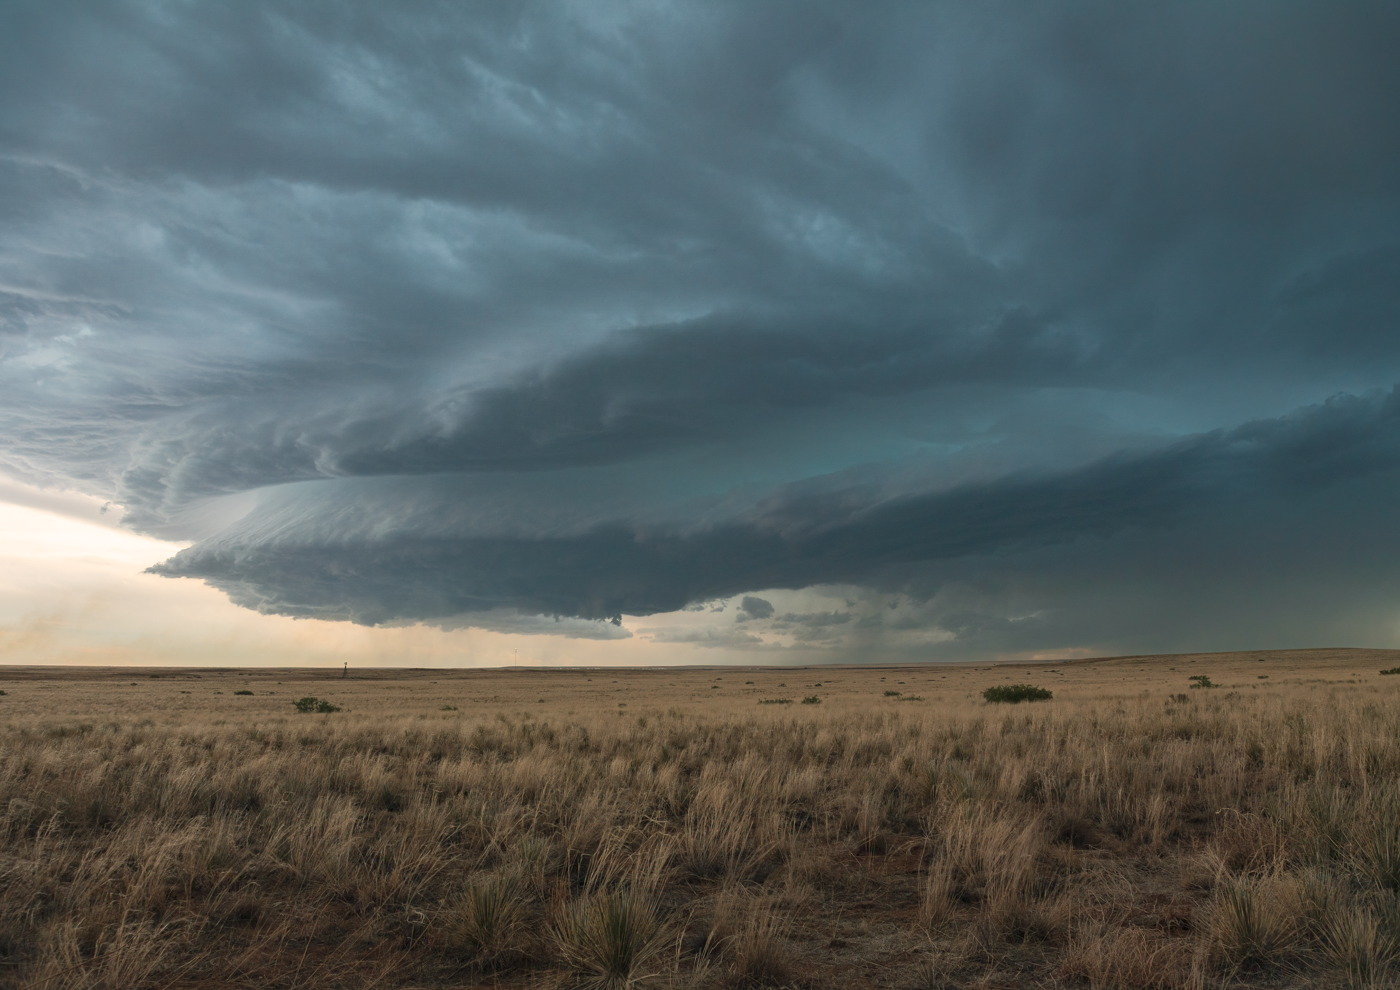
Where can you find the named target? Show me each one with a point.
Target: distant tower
(346, 672)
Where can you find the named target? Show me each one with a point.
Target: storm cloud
(533, 317)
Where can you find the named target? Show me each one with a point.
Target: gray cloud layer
(300, 555)
(412, 312)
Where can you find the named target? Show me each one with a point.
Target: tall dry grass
(1232, 838)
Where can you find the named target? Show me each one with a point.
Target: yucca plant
(1249, 929)
(1353, 942)
(1380, 841)
(491, 923)
(610, 939)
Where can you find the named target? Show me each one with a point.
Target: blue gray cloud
(476, 314)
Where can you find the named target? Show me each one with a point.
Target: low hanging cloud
(303, 554)
(531, 318)
(814, 620)
(512, 621)
(725, 638)
(753, 608)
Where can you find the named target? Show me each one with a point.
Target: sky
(431, 333)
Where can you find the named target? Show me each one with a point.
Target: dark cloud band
(838, 537)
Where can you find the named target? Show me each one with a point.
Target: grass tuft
(761, 956)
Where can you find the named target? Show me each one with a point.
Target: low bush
(1016, 693)
(1200, 681)
(811, 699)
(242, 692)
(776, 701)
(311, 704)
(1392, 670)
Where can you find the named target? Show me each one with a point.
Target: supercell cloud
(955, 329)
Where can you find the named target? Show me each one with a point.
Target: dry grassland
(614, 827)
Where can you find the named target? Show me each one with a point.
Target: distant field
(705, 827)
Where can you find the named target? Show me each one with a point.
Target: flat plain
(705, 827)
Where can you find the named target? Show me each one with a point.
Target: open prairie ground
(705, 827)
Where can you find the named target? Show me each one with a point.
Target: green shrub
(1200, 681)
(312, 704)
(776, 701)
(1016, 693)
(893, 694)
(1392, 670)
(811, 699)
(236, 692)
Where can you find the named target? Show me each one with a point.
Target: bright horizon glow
(73, 591)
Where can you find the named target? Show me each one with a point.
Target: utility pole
(346, 672)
